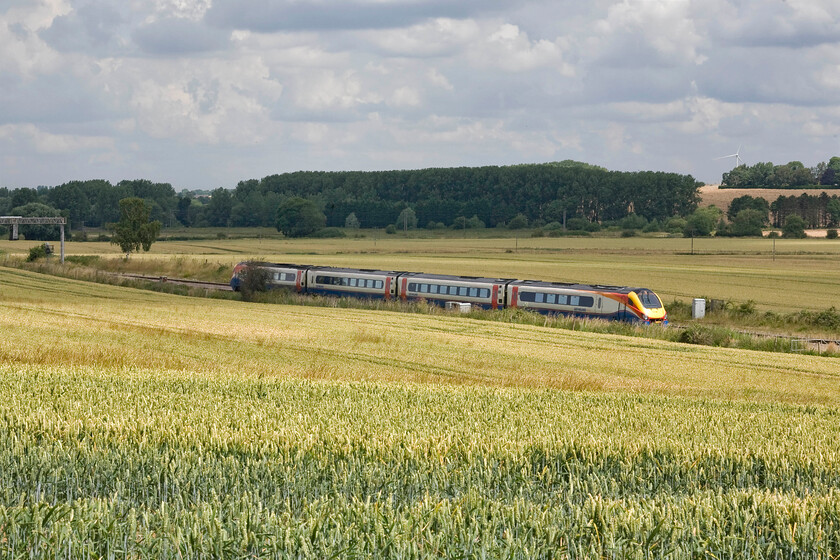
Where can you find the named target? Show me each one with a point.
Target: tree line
(466, 197)
(790, 175)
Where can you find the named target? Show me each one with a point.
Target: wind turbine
(736, 155)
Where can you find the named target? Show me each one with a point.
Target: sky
(206, 93)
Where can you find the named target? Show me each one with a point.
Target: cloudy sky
(204, 93)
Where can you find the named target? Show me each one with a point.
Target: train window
(562, 299)
(473, 292)
(379, 284)
(443, 289)
(327, 280)
(484, 293)
(539, 297)
(526, 296)
(352, 282)
(424, 288)
(581, 301)
(551, 299)
(462, 291)
(412, 287)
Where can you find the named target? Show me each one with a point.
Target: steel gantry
(16, 221)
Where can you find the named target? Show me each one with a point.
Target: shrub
(352, 222)
(705, 336)
(633, 221)
(38, 252)
(475, 223)
(577, 224)
(831, 234)
(518, 222)
(794, 227)
(329, 233)
(628, 233)
(253, 279)
(391, 229)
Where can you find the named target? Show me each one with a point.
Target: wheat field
(143, 425)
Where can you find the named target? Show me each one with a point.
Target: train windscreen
(649, 299)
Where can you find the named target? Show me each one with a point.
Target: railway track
(796, 343)
(181, 281)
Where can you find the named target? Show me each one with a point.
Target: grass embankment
(720, 328)
(804, 274)
(145, 425)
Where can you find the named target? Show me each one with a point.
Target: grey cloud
(50, 99)
(94, 27)
(769, 75)
(287, 15)
(177, 36)
(767, 24)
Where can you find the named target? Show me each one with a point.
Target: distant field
(722, 198)
(144, 425)
(805, 274)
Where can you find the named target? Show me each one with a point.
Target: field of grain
(722, 198)
(144, 425)
(801, 274)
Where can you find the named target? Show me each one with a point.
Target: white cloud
(437, 37)
(43, 142)
(438, 79)
(509, 48)
(404, 97)
(663, 32)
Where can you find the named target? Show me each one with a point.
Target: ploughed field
(144, 425)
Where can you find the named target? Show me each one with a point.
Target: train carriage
(582, 300)
(351, 282)
(289, 276)
(487, 293)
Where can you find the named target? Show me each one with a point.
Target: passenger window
(551, 298)
(574, 300)
(473, 292)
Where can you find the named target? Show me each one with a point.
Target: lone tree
(299, 217)
(134, 230)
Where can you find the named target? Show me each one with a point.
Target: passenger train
(637, 305)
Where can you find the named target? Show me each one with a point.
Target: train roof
(354, 270)
(426, 276)
(281, 265)
(575, 286)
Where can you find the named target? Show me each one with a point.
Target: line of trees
(790, 175)
(816, 211)
(453, 197)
